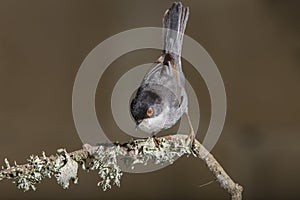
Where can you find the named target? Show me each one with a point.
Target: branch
(234, 189)
(105, 157)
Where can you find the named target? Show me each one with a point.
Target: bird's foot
(156, 141)
(192, 141)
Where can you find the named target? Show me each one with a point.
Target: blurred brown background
(255, 44)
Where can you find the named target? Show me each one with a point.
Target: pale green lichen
(168, 151)
(39, 167)
(68, 171)
(147, 151)
(104, 158)
(106, 162)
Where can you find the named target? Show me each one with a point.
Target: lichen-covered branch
(104, 158)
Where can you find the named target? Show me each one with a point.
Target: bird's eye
(149, 112)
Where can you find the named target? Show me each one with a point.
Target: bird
(161, 99)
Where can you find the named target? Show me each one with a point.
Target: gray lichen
(26, 177)
(146, 151)
(106, 157)
(103, 158)
(105, 161)
(168, 151)
(39, 167)
(67, 169)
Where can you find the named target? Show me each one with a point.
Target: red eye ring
(149, 112)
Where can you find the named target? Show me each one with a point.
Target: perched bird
(161, 99)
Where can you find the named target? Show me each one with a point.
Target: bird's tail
(174, 23)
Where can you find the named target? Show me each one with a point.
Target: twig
(104, 157)
(234, 189)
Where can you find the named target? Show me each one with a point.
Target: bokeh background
(255, 44)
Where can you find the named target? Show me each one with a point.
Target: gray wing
(165, 76)
(163, 80)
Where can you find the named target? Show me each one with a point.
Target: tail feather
(174, 24)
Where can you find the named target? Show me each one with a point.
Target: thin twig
(103, 158)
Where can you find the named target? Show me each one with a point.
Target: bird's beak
(138, 123)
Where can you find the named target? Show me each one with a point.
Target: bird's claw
(156, 141)
(191, 138)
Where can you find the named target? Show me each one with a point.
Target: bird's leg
(192, 133)
(156, 141)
